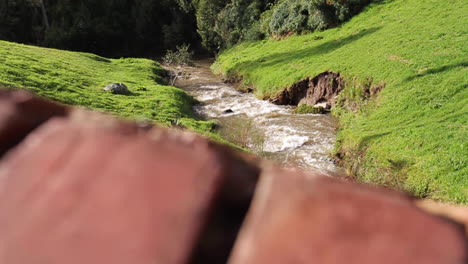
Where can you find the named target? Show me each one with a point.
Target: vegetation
(307, 109)
(403, 110)
(79, 78)
(243, 132)
(223, 24)
(149, 27)
(106, 27)
(206, 13)
(413, 135)
(182, 56)
(298, 16)
(175, 62)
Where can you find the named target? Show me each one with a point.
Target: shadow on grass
(97, 58)
(437, 70)
(395, 165)
(398, 165)
(134, 94)
(287, 57)
(159, 74)
(380, 2)
(366, 140)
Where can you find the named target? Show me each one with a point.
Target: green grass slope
(414, 134)
(78, 79)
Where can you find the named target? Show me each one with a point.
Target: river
(272, 131)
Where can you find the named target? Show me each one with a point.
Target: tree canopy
(150, 27)
(106, 27)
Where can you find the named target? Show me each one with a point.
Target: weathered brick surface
(104, 191)
(298, 218)
(20, 113)
(453, 212)
(83, 187)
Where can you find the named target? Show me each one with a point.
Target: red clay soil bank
(81, 187)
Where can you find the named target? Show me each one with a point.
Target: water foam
(303, 140)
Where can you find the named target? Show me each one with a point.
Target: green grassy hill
(414, 134)
(78, 79)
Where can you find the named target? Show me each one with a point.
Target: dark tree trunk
(44, 15)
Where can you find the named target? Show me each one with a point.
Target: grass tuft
(307, 109)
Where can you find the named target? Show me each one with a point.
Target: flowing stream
(302, 140)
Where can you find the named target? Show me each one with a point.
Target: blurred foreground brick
(81, 187)
(96, 190)
(20, 113)
(456, 213)
(298, 218)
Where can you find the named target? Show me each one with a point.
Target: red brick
(21, 113)
(298, 218)
(83, 192)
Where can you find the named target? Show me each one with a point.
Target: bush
(182, 56)
(207, 12)
(222, 25)
(238, 21)
(298, 16)
(243, 132)
(307, 109)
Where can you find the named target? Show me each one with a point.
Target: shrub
(357, 91)
(244, 133)
(298, 16)
(182, 56)
(223, 24)
(207, 12)
(307, 109)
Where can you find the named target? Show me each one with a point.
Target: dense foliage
(225, 23)
(297, 16)
(108, 27)
(222, 24)
(150, 27)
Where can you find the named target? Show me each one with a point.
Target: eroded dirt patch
(323, 88)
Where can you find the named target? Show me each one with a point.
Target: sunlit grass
(414, 134)
(78, 79)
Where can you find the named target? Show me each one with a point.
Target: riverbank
(268, 130)
(412, 135)
(78, 79)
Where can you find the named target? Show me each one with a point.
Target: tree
(222, 24)
(297, 16)
(207, 15)
(41, 4)
(18, 21)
